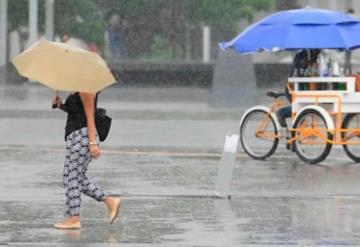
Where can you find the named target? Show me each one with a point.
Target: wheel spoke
(259, 136)
(311, 143)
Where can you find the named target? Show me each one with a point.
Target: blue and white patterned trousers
(75, 180)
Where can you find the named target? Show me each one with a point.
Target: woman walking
(81, 148)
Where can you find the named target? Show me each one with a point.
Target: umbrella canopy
(64, 67)
(306, 28)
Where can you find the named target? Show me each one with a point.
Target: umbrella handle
(55, 105)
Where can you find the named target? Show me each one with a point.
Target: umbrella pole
(57, 94)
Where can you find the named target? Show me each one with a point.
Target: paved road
(168, 201)
(163, 161)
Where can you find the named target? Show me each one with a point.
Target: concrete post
(49, 20)
(226, 166)
(3, 32)
(33, 21)
(234, 81)
(206, 44)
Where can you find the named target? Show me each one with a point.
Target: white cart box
(329, 98)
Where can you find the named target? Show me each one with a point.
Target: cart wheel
(352, 121)
(309, 146)
(259, 134)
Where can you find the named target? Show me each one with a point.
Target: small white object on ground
(226, 166)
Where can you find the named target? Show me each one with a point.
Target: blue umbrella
(306, 28)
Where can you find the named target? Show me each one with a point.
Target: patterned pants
(75, 179)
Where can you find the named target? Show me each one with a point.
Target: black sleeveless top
(76, 118)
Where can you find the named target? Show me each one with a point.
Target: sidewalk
(143, 118)
(179, 100)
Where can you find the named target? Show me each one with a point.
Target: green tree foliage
(223, 13)
(286, 4)
(17, 13)
(165, 21)
(79, 18)
(170, 19)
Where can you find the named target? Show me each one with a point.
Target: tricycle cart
(325, 112)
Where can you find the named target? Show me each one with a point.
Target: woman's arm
(88, 104)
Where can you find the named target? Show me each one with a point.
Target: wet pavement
(170, 201)
(165, 168)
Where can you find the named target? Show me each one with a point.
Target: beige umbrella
(64, 67)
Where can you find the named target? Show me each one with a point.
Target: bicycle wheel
(259, 134)
(352, 121)
(309, 146)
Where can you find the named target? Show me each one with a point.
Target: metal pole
(49, 20)
(347, 64)
(333, 5)
(313, 3)
(188, 43)
(33, 21)
(356, 7)
(206, 44)
(3, 32)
